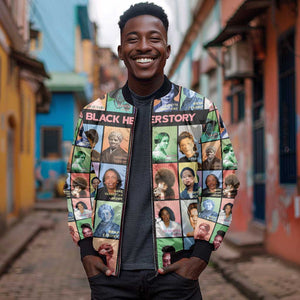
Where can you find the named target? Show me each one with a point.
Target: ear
(120, 52)
(168, 51)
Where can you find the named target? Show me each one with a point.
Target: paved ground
(50, 268)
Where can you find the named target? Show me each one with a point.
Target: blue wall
(56, 19)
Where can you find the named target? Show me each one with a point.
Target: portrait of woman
(164, 179)
(193, 217)
(208, 211)
(218, 239)
(211, 131)
(187, 176)
(112, 186)
(231, 186)
(226, 214)
(212, 186)
(229, 159)
(78, 163)
(202, 231)
(107, 228)
(79, 185)
(114, 154)
(81, 211)
(187, 146)
(166, 225)
(212, 162)
(161, 142)
(107, 250)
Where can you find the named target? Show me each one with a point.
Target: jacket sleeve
(79, 190)
(219, 184)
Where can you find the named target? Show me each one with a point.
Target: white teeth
(144, 60)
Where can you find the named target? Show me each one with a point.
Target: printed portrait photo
(98, 104)
(189, 216)
(209, 208)
(218, 235)
(112, 182)
(204, 229)
(168, 220)
(82, 208)
(107, 248)
(117, 103)
(81, 160)
(84, 228)
(73, 231)
(188, 180)
(165, 181)
(211, 130)
(80, 185)
(70, 210)
(223, 130)
(190, 100)
(78, 131)
(231, 184)
(108, 219)
(164, 144)
(225, 215)
(212, 184)
(94, 184)
(229, 159)
(211, 153)
(167, 245)
(115, 145)
(169, 102)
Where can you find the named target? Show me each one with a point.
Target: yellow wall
(21, 118)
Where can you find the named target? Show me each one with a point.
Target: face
(211, 182)
(166, 259)
(111, 180)
(92, 143)
(202, 232)
(208, 205)
(165, 216)
(217, 241)
(80, 207)
(164, 142)
(187, 147)
(194, 217)
(187, 178)
(144, 49)
(114, 141)
(82, 158)
(162, 186)
(106, 215)
(227, 210)
(209, 128)
(95, 183)
(210, 154)
(87, 232)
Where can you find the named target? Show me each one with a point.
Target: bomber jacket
(181, 113)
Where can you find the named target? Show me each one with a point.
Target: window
(237, 103)
(51, 142)
(287, 107)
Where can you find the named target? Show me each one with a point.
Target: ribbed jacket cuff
(86, 247)
(202, 249)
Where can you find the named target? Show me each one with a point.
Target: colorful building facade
(22, 89)
(66, 45)
(245, 55)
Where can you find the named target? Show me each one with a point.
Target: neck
(145, 87)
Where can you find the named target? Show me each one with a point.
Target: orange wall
(283, 230)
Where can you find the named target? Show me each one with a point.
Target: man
(144, 49)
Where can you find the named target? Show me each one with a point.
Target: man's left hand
(189, 268)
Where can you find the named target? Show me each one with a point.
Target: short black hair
(144, 8)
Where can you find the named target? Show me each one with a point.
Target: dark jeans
(144, 285)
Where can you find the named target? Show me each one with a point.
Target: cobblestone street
(50, 268)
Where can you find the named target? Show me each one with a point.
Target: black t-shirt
(137, 247)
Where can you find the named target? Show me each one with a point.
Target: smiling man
(138, 270)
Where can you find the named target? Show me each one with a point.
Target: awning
(27, 62)
(66, 82)
(238, 23)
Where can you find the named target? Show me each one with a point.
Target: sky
(106, 14)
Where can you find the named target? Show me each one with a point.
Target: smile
(144, 60)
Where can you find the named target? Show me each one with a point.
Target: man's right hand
(93, 265)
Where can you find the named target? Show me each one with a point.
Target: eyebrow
(151, 32)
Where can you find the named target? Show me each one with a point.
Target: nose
(143, 45)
